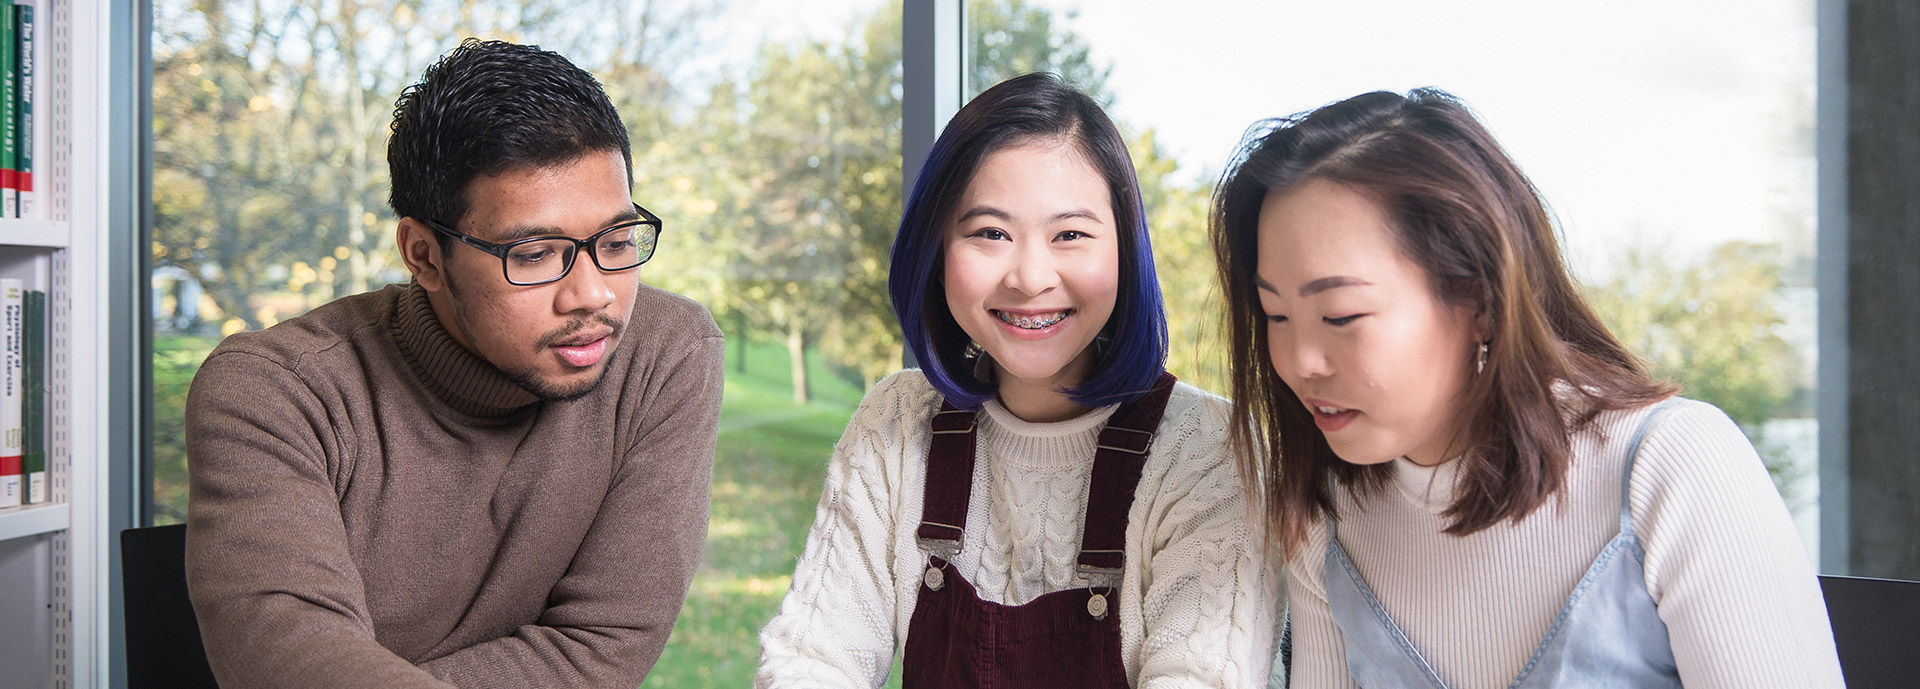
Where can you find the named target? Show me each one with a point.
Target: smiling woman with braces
(1040, 504)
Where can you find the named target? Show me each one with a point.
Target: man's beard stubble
(527, 377)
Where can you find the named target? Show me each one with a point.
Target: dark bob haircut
(1021, 110)
(1462, 211)
(486, 108)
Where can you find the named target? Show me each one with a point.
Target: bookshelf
(54, 602)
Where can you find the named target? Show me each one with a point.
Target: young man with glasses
(496, 475)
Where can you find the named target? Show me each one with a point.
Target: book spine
(11, 305)
(9, 128)
(23, 110)
(33, 446)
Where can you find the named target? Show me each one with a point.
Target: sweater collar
(1091, 421)
(1428, 488)
(457, 377)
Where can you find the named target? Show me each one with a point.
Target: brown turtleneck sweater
(374, 506)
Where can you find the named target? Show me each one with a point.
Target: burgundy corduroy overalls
(1061, 639)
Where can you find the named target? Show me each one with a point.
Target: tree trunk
(360, 242)
(740, 342)
(797, 352)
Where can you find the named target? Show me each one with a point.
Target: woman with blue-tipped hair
(1040, 504)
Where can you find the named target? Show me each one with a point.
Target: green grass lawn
(767, 476)
(175, 358)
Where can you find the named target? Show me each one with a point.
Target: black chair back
(1876, 627)
(163, 637)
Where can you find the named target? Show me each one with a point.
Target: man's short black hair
(486, 108)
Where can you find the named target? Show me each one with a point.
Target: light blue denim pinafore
(1608, 634)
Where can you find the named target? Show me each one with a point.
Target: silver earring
(1480, 362)
(982, 361)
(983, 367)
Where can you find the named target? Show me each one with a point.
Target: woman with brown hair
(1473, 482)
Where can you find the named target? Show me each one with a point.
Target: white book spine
(12, 369)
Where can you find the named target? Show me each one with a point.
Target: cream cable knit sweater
(1734, 585)
(1198, 602)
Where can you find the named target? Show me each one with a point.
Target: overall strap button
(1097, 606)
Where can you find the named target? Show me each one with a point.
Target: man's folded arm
(279, 598)
(608, 618)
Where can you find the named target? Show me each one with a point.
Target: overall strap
(1122, 453)
(1326, 515)
(949, 485)
(1633, 450)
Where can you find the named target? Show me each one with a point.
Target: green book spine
(9, 128)
(33, 406)
(23, 112)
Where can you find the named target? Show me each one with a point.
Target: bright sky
(1677, 125)
(747, 24)
(1666, 123)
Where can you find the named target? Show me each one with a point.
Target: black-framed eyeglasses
(540, 260)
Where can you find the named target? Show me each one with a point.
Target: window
(765, 134)
(1674, 141)
(1675, 147)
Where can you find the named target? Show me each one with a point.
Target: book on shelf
(9, 123)
(25, 57)
(33, 402)
(12, 305)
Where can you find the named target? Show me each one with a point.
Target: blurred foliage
(1010, 38)
(1183, 259)
(270, 126)
(1713, 326)
(795, 207)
